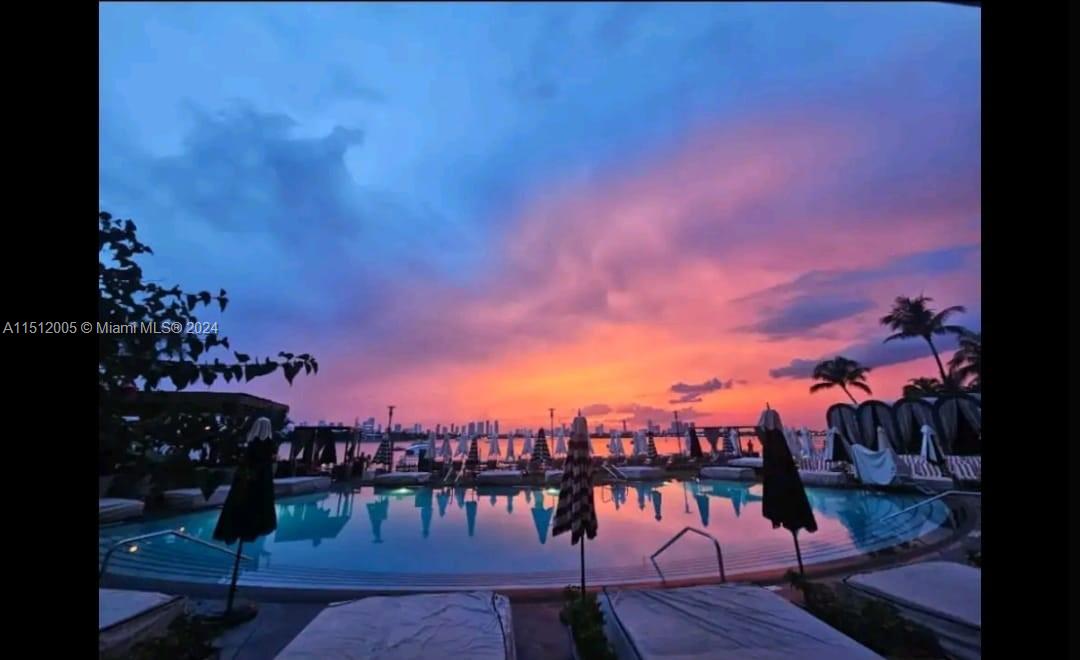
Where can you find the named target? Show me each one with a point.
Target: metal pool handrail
(166, 532)
(716, 544)
(968, 493)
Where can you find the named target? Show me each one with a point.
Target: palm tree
(910, 317)
(967, 361)
(917, 388)
(843, 373)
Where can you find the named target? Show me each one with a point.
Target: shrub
(587, 623)
(188, 638)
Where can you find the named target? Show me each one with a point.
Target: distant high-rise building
(472, 428)
(416, 428)
(496, 427)
(397, 428)
(487, 426)
(322, 422)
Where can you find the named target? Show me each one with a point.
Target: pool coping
(932, 541)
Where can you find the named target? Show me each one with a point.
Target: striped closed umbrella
(493, 446)
(472, 460)
(509, 446)
(732, 444)
(540, 453)
(528, 448)
(383, 455)
(576, 512)
(650, 448)
(463, 445)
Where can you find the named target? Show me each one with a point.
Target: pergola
(148, 405)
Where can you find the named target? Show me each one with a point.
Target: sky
(480, 211)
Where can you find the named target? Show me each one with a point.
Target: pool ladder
(133, 541)
(716, 544)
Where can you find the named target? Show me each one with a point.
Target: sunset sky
(480, 211)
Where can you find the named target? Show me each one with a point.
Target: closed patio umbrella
(509, 446)
(429, 452)
(928, 450)
(473, 459)
(493, 446)
(733, 438)
(576, 512)
(784, 499)
(712, 436)
(650, 447)
(805, 443)
(639, 443)
(463, 445)
(384, 455)
(527, 447)
(445, 452)
(693, 443)
(539, 452)
(560, 442)
(249, 512)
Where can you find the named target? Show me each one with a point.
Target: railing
(716, 544)
(167, 532)
(942, 495)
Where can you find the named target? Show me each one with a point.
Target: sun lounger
(126, 618)
(499, 477)
(553, 476)
(475, 625)
(402, 478)
(728, 473)
(299, 485)
(823, 478)
(112, 509)
(641, 472)
(965, 468)
(946, 597)
(747, 462)
(189, 499)
(718, 621)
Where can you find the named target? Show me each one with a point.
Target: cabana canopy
(146, 405)
(959, 418)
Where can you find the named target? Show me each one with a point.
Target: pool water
(501, 536)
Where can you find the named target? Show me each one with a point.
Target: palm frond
(861, 386)
(817, 387)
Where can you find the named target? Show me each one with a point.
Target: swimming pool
(499, 537)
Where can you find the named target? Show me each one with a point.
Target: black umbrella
(695, 444)
(576, 512)
(473, 459)
(651, 448)
(329, 448)
(712, 435)
(784, 500)
(249, 512)
(540, 453)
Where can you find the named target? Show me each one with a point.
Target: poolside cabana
(959, 418)
(872, 415)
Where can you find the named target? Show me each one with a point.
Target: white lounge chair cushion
(127, 617)
(968, 468)
(720, 621)
(726, 472)
(111, 509)
(638, 472)
(185, 499)
(747, 461)
(475, 625)
(298, 485)
(402, 478)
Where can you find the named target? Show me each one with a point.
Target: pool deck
(537, 630)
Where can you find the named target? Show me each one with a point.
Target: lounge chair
(817, 471)
(113, 509)
(475, 625)
(945, 597)
(727, 473)
(499, 477)
(753, 462)
(190, 499)
(402, 478)
(299, 485)
(126, 618)
(718, 621)
(641, 472)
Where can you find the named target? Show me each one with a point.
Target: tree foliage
(840, 372)
(154, 355)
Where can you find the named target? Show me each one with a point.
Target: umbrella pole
(235, 573)
(583, 568)
(798, 553)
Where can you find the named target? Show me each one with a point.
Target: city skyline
(480, 210)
